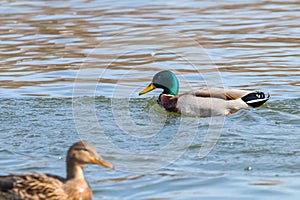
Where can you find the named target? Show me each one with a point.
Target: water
(72, 70)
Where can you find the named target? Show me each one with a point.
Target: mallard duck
(203, 102)
(38, 186)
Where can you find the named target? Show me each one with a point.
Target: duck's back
(32, 186)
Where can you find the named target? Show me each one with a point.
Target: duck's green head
(165, 80)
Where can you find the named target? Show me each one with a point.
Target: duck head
(165, 80)
(84, 153)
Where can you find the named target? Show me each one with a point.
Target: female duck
(203, 102)
(38, 186)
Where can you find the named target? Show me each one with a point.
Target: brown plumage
(39, 186)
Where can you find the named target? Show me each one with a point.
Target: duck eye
(82, 149)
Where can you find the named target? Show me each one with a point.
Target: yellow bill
(103, 163)
(147, 89)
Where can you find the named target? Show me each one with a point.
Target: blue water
(73, 70)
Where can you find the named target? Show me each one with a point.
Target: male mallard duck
(38, 186)
(203, 102)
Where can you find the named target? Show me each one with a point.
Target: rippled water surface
(71, 70)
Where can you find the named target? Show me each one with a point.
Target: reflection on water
(253, 44)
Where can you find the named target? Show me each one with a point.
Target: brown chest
(169, 102)
(78, 190)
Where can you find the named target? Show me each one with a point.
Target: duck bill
(147, 89)
(103, 163)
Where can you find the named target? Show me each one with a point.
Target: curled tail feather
(255, 99)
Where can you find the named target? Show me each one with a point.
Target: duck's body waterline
(203, 102)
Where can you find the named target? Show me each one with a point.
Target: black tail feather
(255, 99)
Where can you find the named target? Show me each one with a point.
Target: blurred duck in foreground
(38, 186)
(203, 102)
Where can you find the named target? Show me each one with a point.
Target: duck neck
(166, 91)
(169, 91)
(74, 170)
